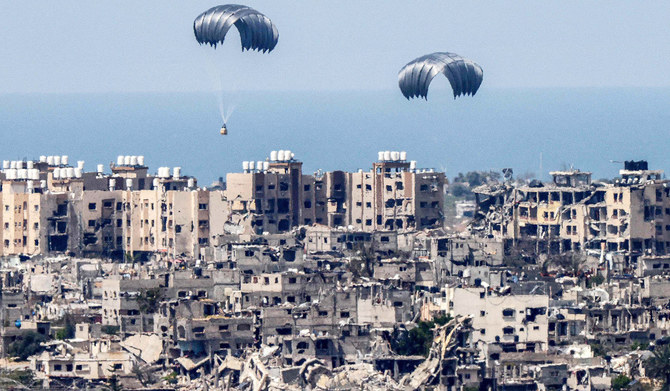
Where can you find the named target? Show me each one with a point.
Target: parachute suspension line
(215, 76)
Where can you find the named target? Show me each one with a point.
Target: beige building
(630, 217)
(519, 321)
(49, 206)
(277, 196)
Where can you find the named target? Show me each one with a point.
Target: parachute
(256, 30)
(464, 75)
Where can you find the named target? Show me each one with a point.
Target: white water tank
(245, 165)
(43, 184)
(176, 172)
(119, 160)
(252, 164)
(5, 164)
(133, 160)
(33, 174)
(191, 183)
(387, 156)
(112, 184)
(64, 159)
(80, 164)
(56, 173)
(140, 160)
(266, 166)
(395, 155)
(156, 183)
(280, 155)
(380, 156)
(70, 172)
(259, 165)
(129, 183)
(57, 161)
(126, 160)
(29, 164)
(412, 165)
(9, 174)
(12, 164)
(287, 155)
(23, 173)
(403, 156)
(43, 159)
(273, 156)
(30, 186)
(76, 171)
(50, 160)
(100, 168)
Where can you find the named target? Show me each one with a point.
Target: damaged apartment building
(629, 217)
(275, 196)
(52, 207)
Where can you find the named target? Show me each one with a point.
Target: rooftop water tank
(5, 164)
(29, 164)
(387, 156)
(176, 172)
(78, 172)
(287, 155)
(252, 164)
(140, 160)
(126, 160)
(259, 165)
(156, 182)
(380, 156)
(280, 155)
(395, 156)
(412, 165)
(57, 160)
(273, 156)
(191, 183)
(112, 184)
(129, 183)
(64, 159)
(245, 165)
(100, 168)
(403, 155)
(119, 160)
(43, 159)
(12, 164)
(50, 160)
(266, 166)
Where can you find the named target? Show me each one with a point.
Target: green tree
(417, 341)
(658, 366)
(28, 345)
(68, 330)
(148, 301)
(620, 382)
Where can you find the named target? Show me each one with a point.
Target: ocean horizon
(590, 129)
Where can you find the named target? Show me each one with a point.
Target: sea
(532, 131)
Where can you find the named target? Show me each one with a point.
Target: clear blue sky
(122, 46)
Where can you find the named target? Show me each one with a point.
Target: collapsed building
(628, 219)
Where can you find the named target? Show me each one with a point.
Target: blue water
(583, 128)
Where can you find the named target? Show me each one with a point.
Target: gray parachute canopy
(464, 75)
(256, 30)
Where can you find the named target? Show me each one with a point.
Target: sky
(148, 46)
